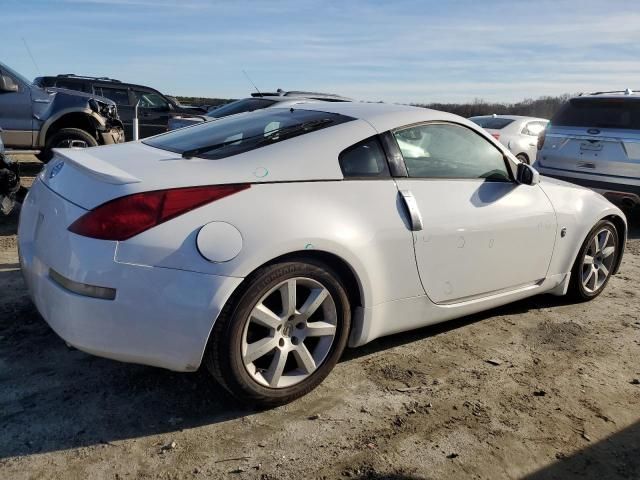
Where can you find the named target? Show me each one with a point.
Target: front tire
(281, 335)
(523, 158)
(65, 138)
(595, 262)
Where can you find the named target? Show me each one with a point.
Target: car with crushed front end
(41, 119)
(262, 244)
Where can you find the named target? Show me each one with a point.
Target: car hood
(76, 93)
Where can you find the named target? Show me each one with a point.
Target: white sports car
(263, 243)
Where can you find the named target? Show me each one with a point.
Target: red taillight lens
(125, 217)
(541, 138)
(496, 135)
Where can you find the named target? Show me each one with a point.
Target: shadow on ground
(617, 456)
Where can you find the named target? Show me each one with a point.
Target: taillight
(541, 137)
(496, 135)
(128, 216)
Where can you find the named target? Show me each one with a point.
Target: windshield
(494, 123)
(588, 112)
(241, 133)
(15, 74)
(239, 106)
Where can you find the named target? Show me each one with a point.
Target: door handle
(412, 208)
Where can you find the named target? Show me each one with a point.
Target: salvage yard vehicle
(154, 109)
(263, 243)
(594, 141)
(10, 189)
(257, 101)
(519, 134)
(35, 118)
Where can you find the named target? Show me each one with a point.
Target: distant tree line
(543, 107)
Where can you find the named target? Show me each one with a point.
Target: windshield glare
(244, 132)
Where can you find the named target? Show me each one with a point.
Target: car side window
(118, 95)
(534, 128)
(151, 100)
(364, 159)
(442, 150)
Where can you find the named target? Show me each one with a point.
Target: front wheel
(282, 334)
(66, 138)
(523, 158)
(595, 262)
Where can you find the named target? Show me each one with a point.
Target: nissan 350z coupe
(264, 243)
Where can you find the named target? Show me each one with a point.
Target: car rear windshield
(623, 113)
(242, 133)
(492, 122)
(239, 106)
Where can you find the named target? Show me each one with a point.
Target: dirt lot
(559, 401)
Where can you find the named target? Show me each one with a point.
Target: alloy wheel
(289, 332)
(598, 260)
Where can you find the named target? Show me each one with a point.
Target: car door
(476, 231)
(153, 113)
(16, 114)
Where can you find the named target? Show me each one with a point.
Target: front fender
(577, 210)
(98, 121)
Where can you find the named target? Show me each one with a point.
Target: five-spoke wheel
(595, 262)
(281, 334)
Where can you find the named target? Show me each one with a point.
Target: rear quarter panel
(359, 221)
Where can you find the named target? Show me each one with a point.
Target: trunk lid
(600, 151)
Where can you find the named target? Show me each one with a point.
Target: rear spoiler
(82, 159)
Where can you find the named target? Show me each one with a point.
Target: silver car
(594, 141)
(519, 134)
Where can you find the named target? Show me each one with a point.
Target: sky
(404, 51)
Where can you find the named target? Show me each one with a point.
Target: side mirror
(7, 84)
(527, 175)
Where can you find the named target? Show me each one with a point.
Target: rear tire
(523, 158)
(302, 343)
(595, 262)
(64, 138)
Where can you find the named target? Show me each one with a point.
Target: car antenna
(31, 55)
(251, 82)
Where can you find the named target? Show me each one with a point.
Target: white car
(263, 243)
(518, 134)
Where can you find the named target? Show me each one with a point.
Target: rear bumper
(614, 188)
(159, 316)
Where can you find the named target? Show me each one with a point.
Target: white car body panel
(169, 295)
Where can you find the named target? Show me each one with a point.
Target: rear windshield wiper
(263, 138)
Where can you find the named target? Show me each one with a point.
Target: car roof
(384, 116)
(105, 81)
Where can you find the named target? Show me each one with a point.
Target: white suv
(594, 141)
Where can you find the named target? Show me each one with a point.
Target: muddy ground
(560, 401)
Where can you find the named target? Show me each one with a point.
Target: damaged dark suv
(35, 118)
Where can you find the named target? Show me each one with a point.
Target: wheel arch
(71, 118)
(352, 280)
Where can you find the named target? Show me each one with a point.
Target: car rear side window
(494, 123)
(588, 112)
(118, 95)
(241, 133)
(364, 159)
(441, 150)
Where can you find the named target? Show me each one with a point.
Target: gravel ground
(538, 389)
